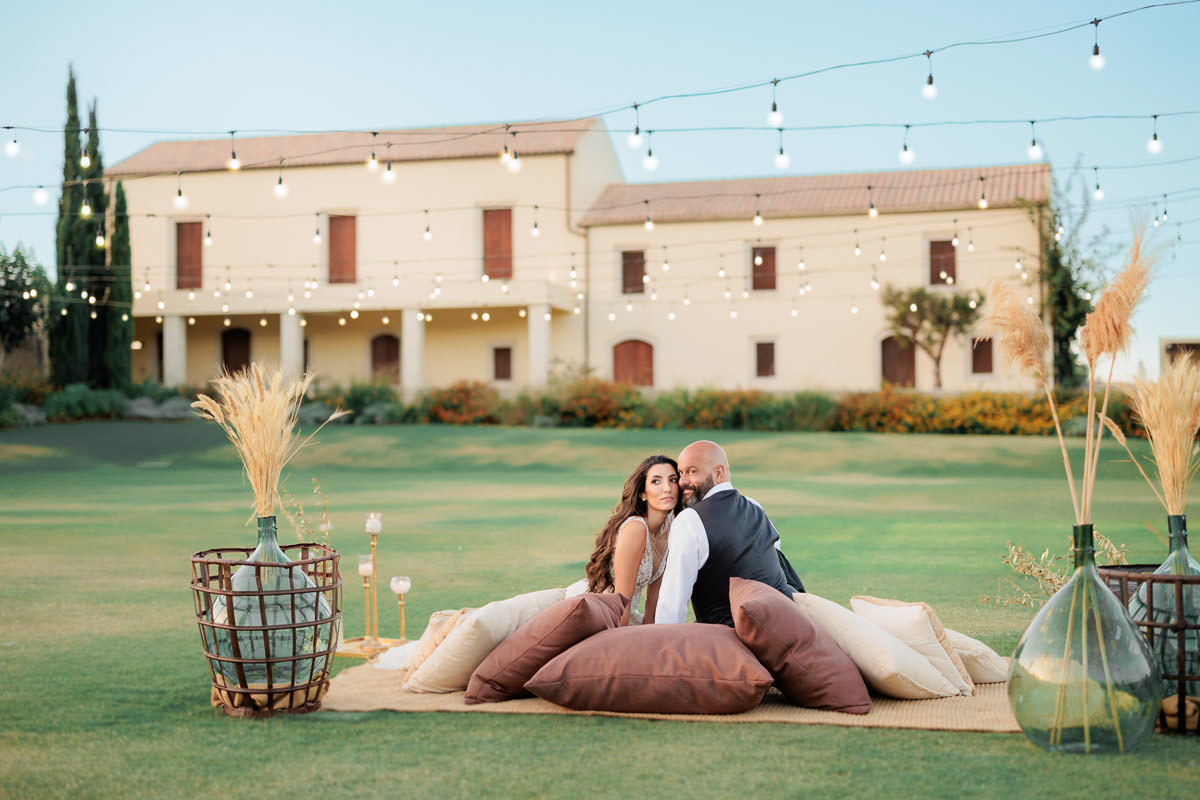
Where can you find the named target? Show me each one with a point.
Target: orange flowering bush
(463, 403)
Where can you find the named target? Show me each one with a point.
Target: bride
(631, 550)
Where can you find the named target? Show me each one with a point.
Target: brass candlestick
(400, 584)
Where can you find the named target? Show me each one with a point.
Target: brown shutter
(765, 359)
(981, 357)
(385, 358)
(497, 242)
(342, 249)
(941, 257)
(189, 247)
(764, 273)
(633, 271)
(633, 362)
(502, 363)
(235, 349)
(899, 362)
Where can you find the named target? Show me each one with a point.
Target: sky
(178, 71)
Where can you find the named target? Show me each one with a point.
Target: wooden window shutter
(189, 249)
(497, 243)
(764, 353)
(385, 358)
(502, 363)
(633, 363)
(899, 362)
(981, 356)
(235, 349)
(764, 273)
(342, 249)
(633, 271)
(941, 259)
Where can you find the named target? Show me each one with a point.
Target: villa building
(420, 258)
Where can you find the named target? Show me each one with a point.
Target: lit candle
(374, 522)
(364, 566)
(400, 584)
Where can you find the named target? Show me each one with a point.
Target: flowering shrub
(593, 403)
(463, 403)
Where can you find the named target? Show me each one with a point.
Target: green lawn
(105, 689)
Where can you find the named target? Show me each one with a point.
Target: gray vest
(741, 544)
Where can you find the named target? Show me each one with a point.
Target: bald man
(720, 535)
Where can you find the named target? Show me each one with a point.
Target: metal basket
(253, 675)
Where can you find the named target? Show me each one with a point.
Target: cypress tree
(95, 259)
(118, 334)
(68, 333)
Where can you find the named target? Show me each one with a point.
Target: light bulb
(645, 278)
(794, 312)
(191, 320)
(208, 239)
(757, 260)
(875, 283)
(907, 156)
(629, 306)
(857, 250)
(281, 189)
(758, 220)
(85, 161)
(388, 175)
(535, 231)
(386, 319)
(1096, 61)
(611, 316)
(983, 203)
(70, 286)
(40, 196)
(341, 321)
(161, 305)
(853, 309)
(1099, 193)
(971, 246)
(872, 211)
(354, 314)
(224, 308)
(228, 285)
(671, 316)
(262, 322)
(775, 116)
(85, 210)
(249, 295)
(317, 236)
(687, 301)
(973, 304)
(1154, 146)
(233, 162)
(226, 322)
(650, 162)
(801, 266)
(782, 159)
(181, 200)
(954, 241)
(514, 164)
(648, 224)
(12, 148)
(191, 295)
(99, 239)
(634, 140)
(428, 234)
(372, 162)
(1034, 151)
(928, 91)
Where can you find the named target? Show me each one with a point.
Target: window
(235, 349)
(764, 358)
(941, 263)
(763, 268)
(633, 272)
(981, 357)
(342, 249)
(385, 358)
(898, 359)
(497, 242)
(502, 363)
(189, 245)
(633, 363)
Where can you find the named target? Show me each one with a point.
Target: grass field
(105, 689)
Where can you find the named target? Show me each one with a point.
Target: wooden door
(235, 349)
(385, 358)
(899, 362)
(633, 362)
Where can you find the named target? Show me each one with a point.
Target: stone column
(174, 355)
(539, 345)
(291, 344)
(412, 353)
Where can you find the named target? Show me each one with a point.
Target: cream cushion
(449, 667)
(984, 663)
(888, 665)
(441, 623)
(917, 626)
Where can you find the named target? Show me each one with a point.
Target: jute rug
(364, 688)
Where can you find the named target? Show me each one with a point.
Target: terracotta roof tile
(320, 149)
(820, 195)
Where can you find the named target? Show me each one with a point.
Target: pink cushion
(807, 665)
(663, 669)
(503, 673)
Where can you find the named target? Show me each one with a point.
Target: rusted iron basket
(282, 664)
(1180, 713)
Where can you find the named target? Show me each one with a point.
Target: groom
(721, 534)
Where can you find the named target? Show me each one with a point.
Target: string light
(774, 116)
(929, 90)
(1154, 146)
(854, 305)
(634, 140)
(871, 210)
(100, 238)
(666, 265)
(1017, 266)
(857, 248)
(505, 156)
(372, 162)
(1098, 193)
(208, 230)
(535, 231)
(12, 148)
(649, 223)
(428, 233)
(354, 314)
(882, 251)
(1035, 149)
(801, 265)
(758, 220)
(226, 322)
(1096, 61)
(782, 159)
(40, 196)
(388, 176)
(906, 156)
(317, 230)
(954, 241)
(970, 240)
(281, 189)
(385, 319)
(233, 162)
(1164, 214)
(514, 163)
(874, 280)
(85, 210)
(983, 203)
(650, 161)
(181, 200)
(85, 158)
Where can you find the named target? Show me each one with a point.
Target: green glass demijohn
(1082, 679)
(277, 656)
(1165, 643)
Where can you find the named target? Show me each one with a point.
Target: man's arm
(687, 550)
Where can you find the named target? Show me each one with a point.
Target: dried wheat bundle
(259, 415)
(1169, 409)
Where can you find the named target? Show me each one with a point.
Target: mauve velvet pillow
(658, 669)
(807, 665)
(502, 675)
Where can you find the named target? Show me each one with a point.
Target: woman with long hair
(631, 550)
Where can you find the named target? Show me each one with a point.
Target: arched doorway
(385, 358)
(235, 349)
(633, 362)
(899, 362)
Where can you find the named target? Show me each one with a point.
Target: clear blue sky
(167, 70)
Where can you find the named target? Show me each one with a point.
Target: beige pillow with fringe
(984, 663)
(449, 667)
(917, 626)
(888, 665)
(441, 623)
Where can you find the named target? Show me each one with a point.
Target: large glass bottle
(1165, 643)
(1082, 679)
(282, 620)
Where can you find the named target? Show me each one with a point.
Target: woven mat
(364, 688)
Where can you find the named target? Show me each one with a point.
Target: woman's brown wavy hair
(599, 566)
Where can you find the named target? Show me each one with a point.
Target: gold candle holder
(370, 643)
(400, 584)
